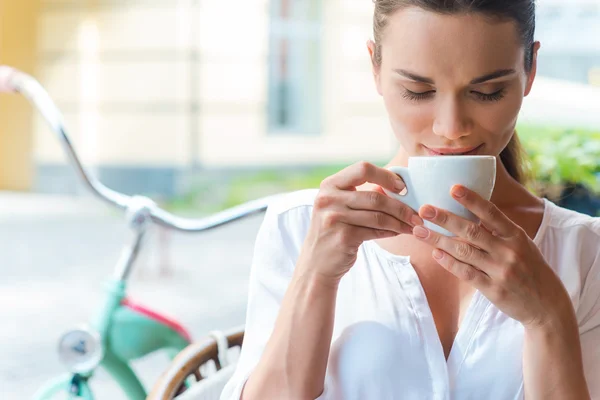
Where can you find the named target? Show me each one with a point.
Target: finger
(457, 248)
(463, 228)
(465, 272)
(362, 234)
(375, 220)
(375, 201)
(378, 189)
(357, 174)
(494, 219)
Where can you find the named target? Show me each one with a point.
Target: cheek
(409, 120)
(498, 121)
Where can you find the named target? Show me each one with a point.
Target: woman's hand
(343, 218)
(499, 259)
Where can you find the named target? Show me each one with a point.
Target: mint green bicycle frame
(126, 335)
(127, 331)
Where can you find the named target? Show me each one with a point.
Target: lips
(462, 151)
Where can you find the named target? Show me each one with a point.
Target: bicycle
(123, 330)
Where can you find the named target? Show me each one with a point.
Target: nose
(451, 120)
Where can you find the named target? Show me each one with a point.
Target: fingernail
(420, 232)
(438, 254)
(458, 191)
(416, 220)
(428, 212)
(400, 185)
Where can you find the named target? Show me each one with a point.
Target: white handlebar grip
(6, 73)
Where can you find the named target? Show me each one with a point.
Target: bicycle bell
(80, 350)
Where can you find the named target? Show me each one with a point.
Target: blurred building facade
(155, 92)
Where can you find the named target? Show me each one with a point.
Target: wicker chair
(189, 375)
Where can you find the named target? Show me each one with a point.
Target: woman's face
(452, 83)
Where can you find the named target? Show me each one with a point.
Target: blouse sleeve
(589, 325)
(275, 253)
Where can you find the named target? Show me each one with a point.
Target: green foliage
(562, 156)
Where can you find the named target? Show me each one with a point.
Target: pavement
(56, 252)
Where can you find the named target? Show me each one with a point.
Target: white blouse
(385, 344)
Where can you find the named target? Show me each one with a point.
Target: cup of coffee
(428, 180)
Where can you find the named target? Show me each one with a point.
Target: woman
(351, 297)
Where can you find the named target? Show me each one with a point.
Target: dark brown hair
(522, 12)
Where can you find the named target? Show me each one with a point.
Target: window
(294, 104)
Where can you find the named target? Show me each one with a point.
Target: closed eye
(498, 95)
(416, 96)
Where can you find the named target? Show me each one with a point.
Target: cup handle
(409, 198)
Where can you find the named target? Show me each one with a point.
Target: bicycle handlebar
(6, 76)
(12, 80)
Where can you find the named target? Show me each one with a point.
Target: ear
(532, 73)
(375, 66)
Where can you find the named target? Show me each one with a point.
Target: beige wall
(119, 73)
(17, 48)
(125, 78)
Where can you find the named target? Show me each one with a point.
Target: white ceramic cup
(429, 180)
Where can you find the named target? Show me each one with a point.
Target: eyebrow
(494, 75)
(488, 77)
